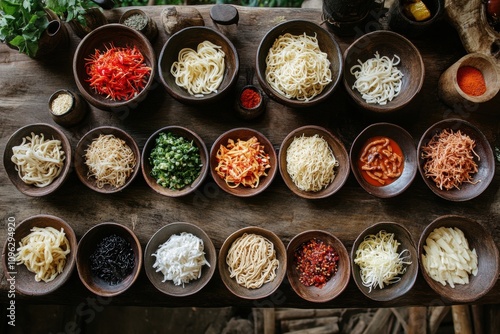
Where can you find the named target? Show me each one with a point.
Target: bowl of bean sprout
(383, 71)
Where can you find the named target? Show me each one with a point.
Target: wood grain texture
(26, 86)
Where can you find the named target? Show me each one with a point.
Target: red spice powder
(471, 81)
(316, 262)
(249, 98)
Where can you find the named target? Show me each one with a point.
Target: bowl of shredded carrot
(455, 160)
(114, 67)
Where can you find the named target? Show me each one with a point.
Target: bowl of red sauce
(384, 159)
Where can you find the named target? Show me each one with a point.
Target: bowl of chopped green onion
(174, 161)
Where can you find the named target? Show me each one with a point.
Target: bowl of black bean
(108, 259)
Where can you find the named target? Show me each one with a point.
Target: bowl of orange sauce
(384, 159)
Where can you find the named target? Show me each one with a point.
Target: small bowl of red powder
(318, 267)
(250, 102)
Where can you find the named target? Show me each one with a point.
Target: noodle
(38, 161)
(297, 68)
(378, 79)
(110, 160)
(200, 72)
(252, 261)
(450, 159)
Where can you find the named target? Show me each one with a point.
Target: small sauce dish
(67, 108)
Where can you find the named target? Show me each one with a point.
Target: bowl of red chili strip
(114, 67)
(318, 267)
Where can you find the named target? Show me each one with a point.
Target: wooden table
(26, 85)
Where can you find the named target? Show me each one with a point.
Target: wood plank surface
(26, 84)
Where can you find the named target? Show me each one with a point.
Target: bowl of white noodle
(37, 159)
(299, 64)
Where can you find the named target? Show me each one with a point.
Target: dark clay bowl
(486, 161)
(22, 279)
(408, 148)
(336, 285)
(156, 278)
(398, 289)
(327, 43)
(339, 151)
(49, 132)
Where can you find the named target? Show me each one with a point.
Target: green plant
(70, 9)
(22, 23)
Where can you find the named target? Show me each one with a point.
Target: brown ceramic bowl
(146, 165)
(338, 149)
(487, 256)
(82, 169)
(386, 43)
(190, 38)
(49, 132)
(88, 245)
(338, 282)
(100, 39)
(24, 279)
(244, 134)
(327, 43)
(485, 162)
(157, 278)
(398, 289)
(267, 288)
(408, 149)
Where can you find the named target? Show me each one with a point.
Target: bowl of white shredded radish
(458, 258)
(383, 71)
(180, 259)
(384, 261)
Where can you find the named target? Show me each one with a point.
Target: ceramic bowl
(487, 255)
(327, 43)
(337, 283)
(190, 38)
(267, 288)
(75, 112)
(339, 151)
(49, 132)
(408, 150)
(87, 247)
(157, 278)
(386, 43)
(147, 167)
(24, 279)
(82, 170)
(100, 39)
(244, 134)
(485, 162)
(406, 244)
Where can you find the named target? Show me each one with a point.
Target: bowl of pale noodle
(37, 159)
(299, 64)
(198, 65)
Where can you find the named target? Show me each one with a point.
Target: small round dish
(18, 275)
(267, 288)
(336, 284)
(407, 280)
(88, 246)
(487, 256)
(187, 134)
(339, 151)
(82, 170)
(485, 162)
(244, 134)
(50, 132)
(157, 278)
(397, 136)
(190, 37)
(67, 108)
(386, 43)
(140, 21)
(327, 43)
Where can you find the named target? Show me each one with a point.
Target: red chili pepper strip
(119, 73)
(316, 262)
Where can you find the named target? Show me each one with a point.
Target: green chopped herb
(175, 160)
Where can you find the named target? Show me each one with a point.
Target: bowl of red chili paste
(114, 67)
(384, 159)
(318, 267)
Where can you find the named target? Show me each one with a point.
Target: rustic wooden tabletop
(26, 85)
